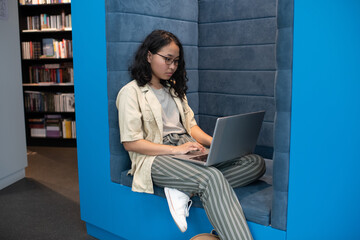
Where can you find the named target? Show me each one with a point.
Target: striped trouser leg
(243, 171)
(219, 200)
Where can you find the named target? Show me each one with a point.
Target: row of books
(24, 2)
(31, 50)
(51, 73)
(35, 101)
(50, 48)
(52, 126)
(47, 22)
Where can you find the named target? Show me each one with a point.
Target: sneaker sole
(172, 211)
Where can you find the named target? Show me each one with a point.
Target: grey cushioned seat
(255, 198)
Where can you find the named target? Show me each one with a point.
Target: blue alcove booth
(238, 61)
(239, 56)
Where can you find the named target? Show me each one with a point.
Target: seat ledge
(255, 198)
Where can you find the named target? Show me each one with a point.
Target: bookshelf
(47, 72)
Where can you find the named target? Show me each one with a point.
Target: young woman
(156, 121)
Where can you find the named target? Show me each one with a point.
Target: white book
(57, 102)
(53, 128)
(38, 132)
(68, 102)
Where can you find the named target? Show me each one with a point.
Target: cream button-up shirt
(140, 118)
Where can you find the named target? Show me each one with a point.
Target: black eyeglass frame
(169, 61)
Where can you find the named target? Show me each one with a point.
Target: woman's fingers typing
(189, 146)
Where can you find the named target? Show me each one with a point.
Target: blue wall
(106, 205)
(324, 193)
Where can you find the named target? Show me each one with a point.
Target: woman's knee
(259, 163)
(214, 176)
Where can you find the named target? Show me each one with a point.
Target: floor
(55, 168)
(45, 204)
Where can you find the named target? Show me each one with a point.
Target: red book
(31, 51)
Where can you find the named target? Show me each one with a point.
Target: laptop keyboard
(201, 158)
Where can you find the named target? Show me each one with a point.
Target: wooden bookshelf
(47, 72)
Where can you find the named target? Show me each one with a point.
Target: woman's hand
(187, 147)
(150, 148)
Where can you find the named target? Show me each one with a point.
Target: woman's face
(164, 62)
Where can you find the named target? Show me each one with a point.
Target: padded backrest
(237, 64)
(239, 59)
(128, 22)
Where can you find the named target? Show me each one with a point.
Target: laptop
(234, 136)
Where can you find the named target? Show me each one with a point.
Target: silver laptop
(234, 137)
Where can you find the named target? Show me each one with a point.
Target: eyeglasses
(169, 61)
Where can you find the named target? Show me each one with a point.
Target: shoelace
(187, 208)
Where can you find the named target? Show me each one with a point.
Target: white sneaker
(179, 206)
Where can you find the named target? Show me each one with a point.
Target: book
(67, 128)
(31, 50)
(37, 127)
(51, 73)
(68, 102)
(53, 126)
(48, 47)
(73, 129)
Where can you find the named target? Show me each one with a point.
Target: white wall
(12, 128)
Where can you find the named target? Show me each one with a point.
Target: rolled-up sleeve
(130, 117)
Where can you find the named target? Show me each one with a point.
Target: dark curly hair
(141, 70)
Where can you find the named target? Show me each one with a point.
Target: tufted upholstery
(238, 56)
(237, 62)
(127, 24)
(283, 85)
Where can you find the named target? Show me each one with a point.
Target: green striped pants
(214, 185)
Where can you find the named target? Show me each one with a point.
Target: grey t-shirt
(170, 113)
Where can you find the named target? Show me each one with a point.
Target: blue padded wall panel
(118, 55)
(193, 99)
(226, 104)
(254, 31)
(266, 136)
(258, 83)
(285, 14)
(193, 83)
(168, 9)
(284, 44)
(280, 190)
(116, 79)
(259, 57)
(207, 123)
(126, 27)
(214, 10)
(119, 52)
(283, 93)
(283, 90)
(237, 62)
(191, 57)
(127, 24)
(281, 173)
(282, 129)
